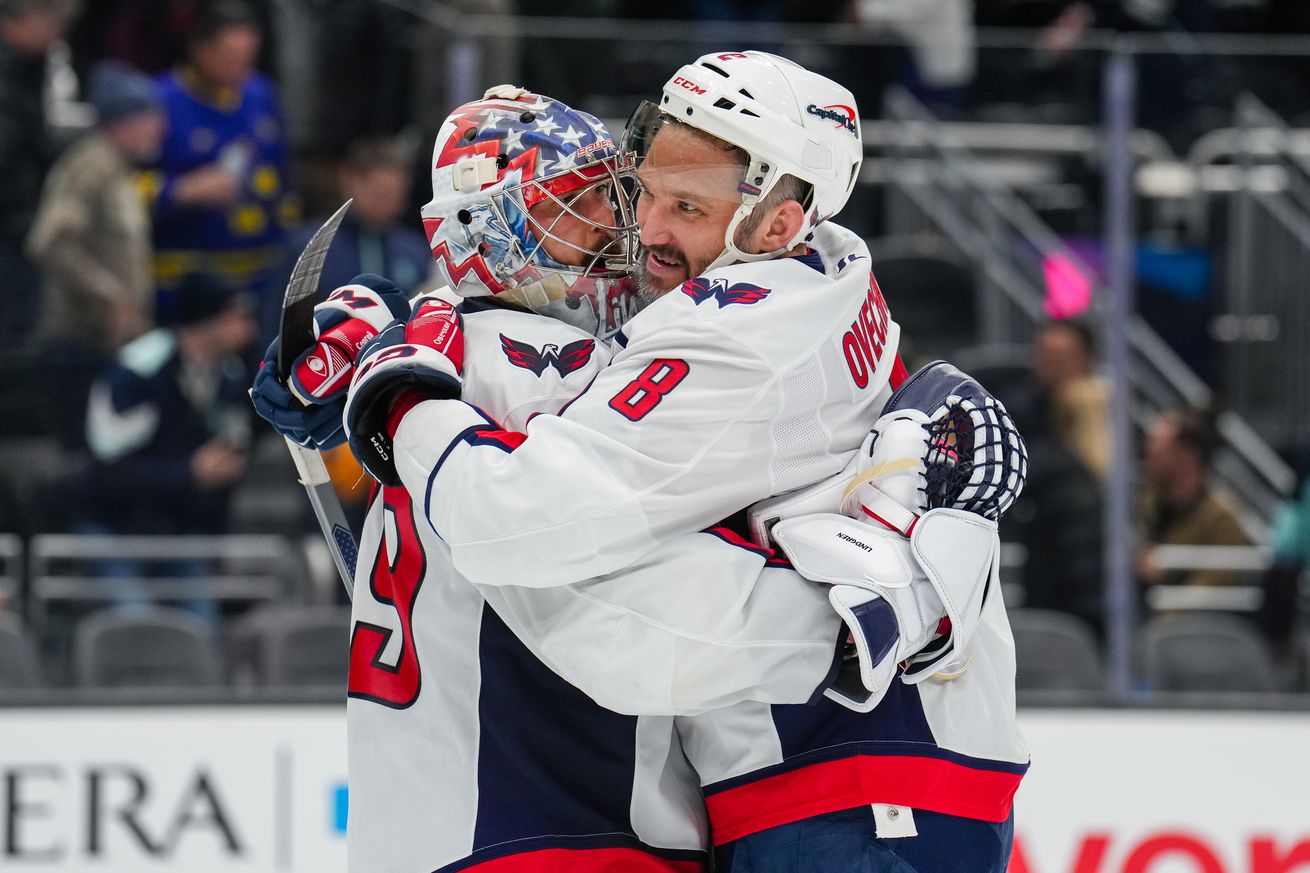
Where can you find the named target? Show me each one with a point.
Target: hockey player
(499, 761)
(758, 378)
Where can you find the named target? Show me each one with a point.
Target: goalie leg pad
(932, 586)
(959, 552)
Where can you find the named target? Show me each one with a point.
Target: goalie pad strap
(960, 554)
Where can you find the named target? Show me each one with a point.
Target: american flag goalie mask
(530, 204)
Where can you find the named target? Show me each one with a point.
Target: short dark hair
(1081, 330)
(371, 154)
(1195, 431)
(217, 17)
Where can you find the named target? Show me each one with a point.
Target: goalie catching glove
(409, 362)
(307, 410)
(913, 553)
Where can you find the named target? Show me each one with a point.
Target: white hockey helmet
(786, 118)
(493, 161)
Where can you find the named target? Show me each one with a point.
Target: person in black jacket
(28, 29)
(168, 426)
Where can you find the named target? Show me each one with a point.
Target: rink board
(246, 789)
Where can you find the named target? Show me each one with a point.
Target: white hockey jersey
(748, 382)
(467, 753)
(727, 391)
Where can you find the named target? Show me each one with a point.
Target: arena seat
(154, 648)
(1205, 652)
(19, 664)
(1055, 651)
(293, 646)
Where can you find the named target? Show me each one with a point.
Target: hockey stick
(295, 335)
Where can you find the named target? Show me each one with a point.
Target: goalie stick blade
(296, 332)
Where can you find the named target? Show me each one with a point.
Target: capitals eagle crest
(571, 357)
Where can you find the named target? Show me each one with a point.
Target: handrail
(45, 547)
(1248, 559)
(1205, 598)
(958, 165)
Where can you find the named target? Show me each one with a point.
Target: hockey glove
(407, 363)
(944, 450)
(308, 409)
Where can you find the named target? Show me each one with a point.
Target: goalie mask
(530, 205)
(788, 120)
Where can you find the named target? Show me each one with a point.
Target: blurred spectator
(91, 234)
(168, 423)
(28, 31)
(220, 194)
(1281, 608)
(1057, 519)
(1179, 506)
(1076, 400)
(372, 238)
(940, 35)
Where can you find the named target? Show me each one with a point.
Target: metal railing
(940, 187)
(1265, 325)
(11, 572)
(95, 569)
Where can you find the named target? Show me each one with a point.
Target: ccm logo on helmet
(843, 116)
(688, 85)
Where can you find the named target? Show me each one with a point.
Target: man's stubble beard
(647, 291)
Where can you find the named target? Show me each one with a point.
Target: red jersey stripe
(920, 783)
(586, 861)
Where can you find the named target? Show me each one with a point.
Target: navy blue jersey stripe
(550, 760)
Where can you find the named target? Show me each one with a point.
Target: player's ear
(778, 228)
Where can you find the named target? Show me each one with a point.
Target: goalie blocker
(911, 550)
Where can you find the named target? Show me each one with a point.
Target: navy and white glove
(409, 362)
(308, 409)
(912, 550)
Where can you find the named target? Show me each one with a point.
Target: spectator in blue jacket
(372, 237)
(168, 421)
(168, 428)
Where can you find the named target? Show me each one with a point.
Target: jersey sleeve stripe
(732, 538)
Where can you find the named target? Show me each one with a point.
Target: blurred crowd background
(1101, 208)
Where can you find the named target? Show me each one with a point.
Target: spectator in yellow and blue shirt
(221, 198)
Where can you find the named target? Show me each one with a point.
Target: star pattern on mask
(547, 125)
(567, 162)
(571, 136)
(513, 140)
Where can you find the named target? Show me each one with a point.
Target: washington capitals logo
(701, 289)
(573, 356)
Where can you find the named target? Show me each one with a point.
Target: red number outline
(396, 583)
(636, 400)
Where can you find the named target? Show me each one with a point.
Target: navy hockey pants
(845, 842)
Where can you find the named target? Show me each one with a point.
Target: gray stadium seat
(1055, 651)
(156, 648)
(309, 648)
(1204, 652)
(19, 665)
(291, 645)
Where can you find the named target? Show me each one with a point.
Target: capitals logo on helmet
(529, 204)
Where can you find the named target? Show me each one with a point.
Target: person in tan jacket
(1064, 367)
(91, 234)
(1179, 506)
